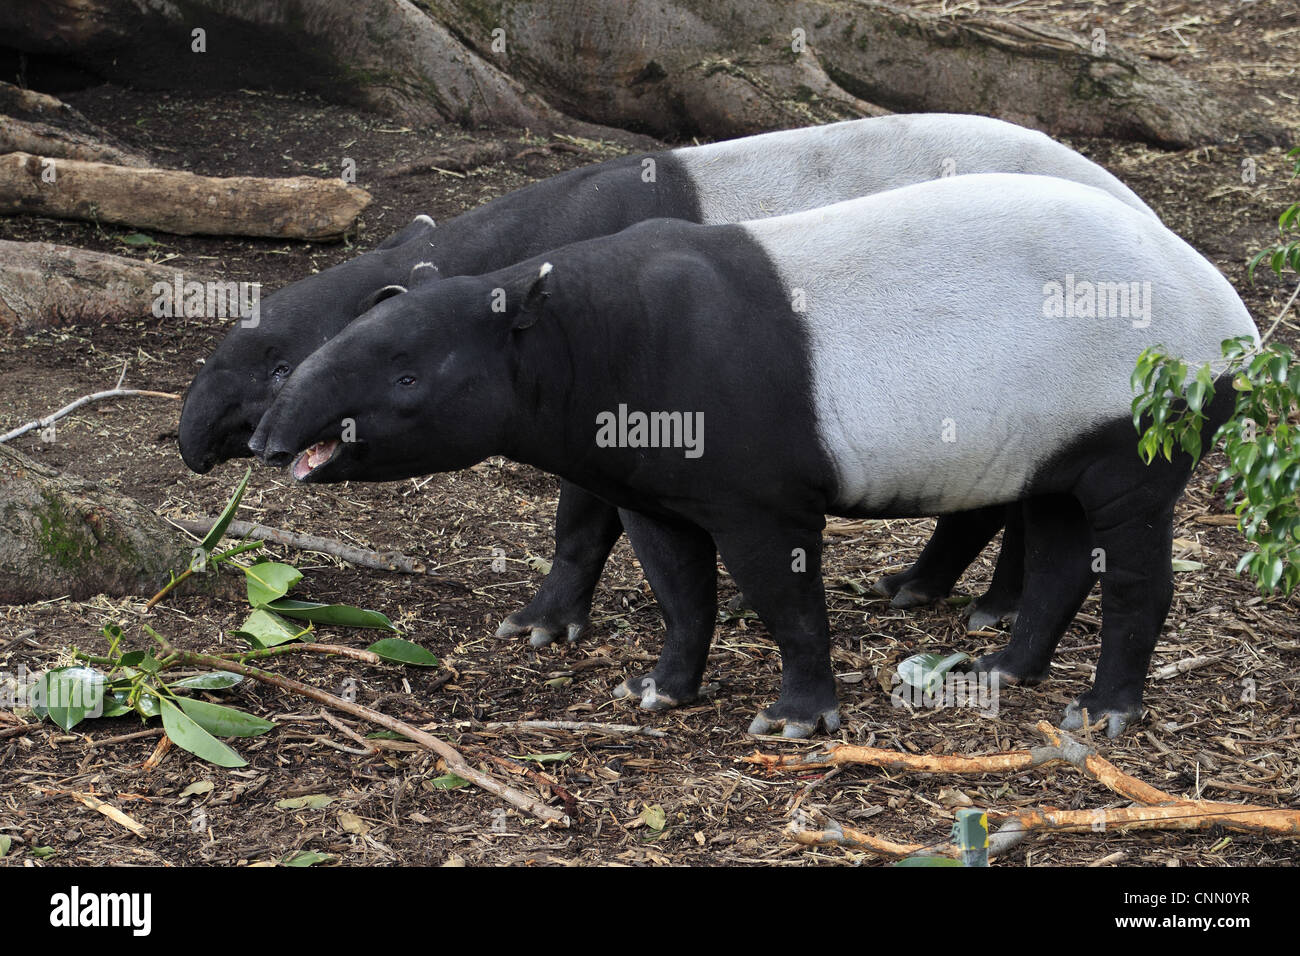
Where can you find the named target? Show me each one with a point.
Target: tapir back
(775, 174)
(963, 331)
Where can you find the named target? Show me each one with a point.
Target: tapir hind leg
(957, 541)
(1001, 602)
(681, 564)
(1137, 588)
(778, 567)
(585, 531)
(1059, 573)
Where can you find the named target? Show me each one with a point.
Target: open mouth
(314, 457)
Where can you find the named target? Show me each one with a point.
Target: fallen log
(168, 200)
(39, 123)
(22, 136)
(43, 284)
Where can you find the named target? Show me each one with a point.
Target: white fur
(925, 304)
(779, 173)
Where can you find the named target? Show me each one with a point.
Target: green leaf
(146, 705)
(386, 735)
(265, 629)
(1181, 565)
(115, 705)
(5, 843)
(403, 652)
(313, 801)
(926, 671)
(188, 735)
(222, 721)
(342, 614)
(67, 695)
(198, 788)
(448, 781)
(548, 758)
(218, 529)
(269, 580)
(653, 818)
(212, 680)
(138, 239)
(305, 858)
(43, 852)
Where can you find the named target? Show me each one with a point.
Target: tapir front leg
(585, 531)
(681, 564)
(778, 567)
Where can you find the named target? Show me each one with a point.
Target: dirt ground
(1228, 729)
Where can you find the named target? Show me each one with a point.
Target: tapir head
(422, 383)
(240, 379)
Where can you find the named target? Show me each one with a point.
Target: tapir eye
(406, 381)
(281, 370)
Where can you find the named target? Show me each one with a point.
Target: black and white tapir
(948, 346)
(751, 178)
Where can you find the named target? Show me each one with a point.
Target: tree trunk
(733, 67)
(43, 284)
(298, 207)
(61, 535)
(674, 68)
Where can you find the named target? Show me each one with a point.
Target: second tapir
(949, 346)
(772, 174)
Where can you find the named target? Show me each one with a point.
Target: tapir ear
(421, 273)
(379, 295)
(421, 227)
(530, 309)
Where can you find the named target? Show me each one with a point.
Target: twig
(454, 760)
(84, 400)
(1271, 329)
(107, 809)
(160, 751)
(348, 731)
(578, 726)
(1192, 815)
(124, 738)
(363, 557)
(338, 650)
(1161, 810)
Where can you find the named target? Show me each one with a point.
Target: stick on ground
(454, 759)
(362, 557)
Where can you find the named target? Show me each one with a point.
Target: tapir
(953, 345)
(748, 178)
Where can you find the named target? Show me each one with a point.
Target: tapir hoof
(769, 721)
(1116, 719)
(539, 634)
(984, 613)
(651, 695)
(1009, 671)
(905, 589)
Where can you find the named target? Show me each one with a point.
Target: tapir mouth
(313, 458)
